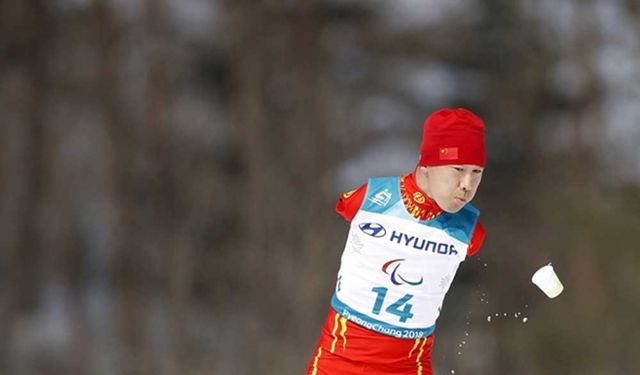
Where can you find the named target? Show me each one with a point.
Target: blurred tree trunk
(280, 113)
(586, 122)
(26, 29)
(25, 269)
(124, 248)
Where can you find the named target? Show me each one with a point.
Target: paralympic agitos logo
(394, 265)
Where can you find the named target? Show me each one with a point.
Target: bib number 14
(400, 308)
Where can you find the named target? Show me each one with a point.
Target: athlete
(408, 235)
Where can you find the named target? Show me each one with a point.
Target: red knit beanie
(453, 136)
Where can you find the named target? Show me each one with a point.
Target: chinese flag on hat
(453, 136)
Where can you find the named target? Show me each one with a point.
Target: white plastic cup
(547, 280)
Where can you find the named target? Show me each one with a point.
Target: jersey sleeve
(349, 203)
(477, 238)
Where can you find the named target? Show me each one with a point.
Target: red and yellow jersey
(349, 348)
(346, 348)
(415, 200)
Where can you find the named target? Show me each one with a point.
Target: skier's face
(450, 186)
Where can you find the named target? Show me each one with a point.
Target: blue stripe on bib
(383, 196)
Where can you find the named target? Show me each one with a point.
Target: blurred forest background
(169, 171)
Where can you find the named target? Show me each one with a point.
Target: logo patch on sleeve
(348, 194)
